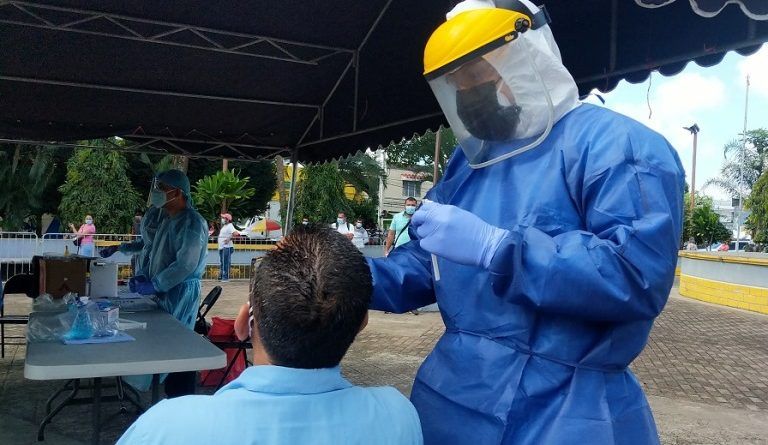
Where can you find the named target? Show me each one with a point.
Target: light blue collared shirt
(278, 405)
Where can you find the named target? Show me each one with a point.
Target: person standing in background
(360, 235)
(85, 236)
(398, 230)
(342, 226)
(226, 247)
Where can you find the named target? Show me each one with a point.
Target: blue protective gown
(143, 245)
(177, 262)
(536, 348)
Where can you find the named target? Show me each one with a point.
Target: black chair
(240, 347)
(17, 284)
(202, 326)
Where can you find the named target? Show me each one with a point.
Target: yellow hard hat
(472, 33)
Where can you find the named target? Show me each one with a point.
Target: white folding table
(165, 346)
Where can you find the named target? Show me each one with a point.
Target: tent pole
(288, 224)
(436, 159)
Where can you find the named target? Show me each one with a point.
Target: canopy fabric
(755, 9)
(251, 80)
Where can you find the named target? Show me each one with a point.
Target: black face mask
(482, 114)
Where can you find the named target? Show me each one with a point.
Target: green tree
(705, 225)
(261, 178)
(222, 190)
(757, 203)
(321, 194)
(742, 168)
(159, 165)
(25, 174)
(365, 210)
(97, 184)
(418, 153)
(363, 173)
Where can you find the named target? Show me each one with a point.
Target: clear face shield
(496, 104)
(157, 193)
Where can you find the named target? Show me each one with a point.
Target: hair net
(179, 180)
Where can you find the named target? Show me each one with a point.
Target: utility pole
(741, 167)
(694, 129)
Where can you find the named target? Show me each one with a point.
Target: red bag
(223, 331)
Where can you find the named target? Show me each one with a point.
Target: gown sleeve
(403, 280)
(620, 267)
(132, 246)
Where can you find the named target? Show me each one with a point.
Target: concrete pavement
(705, 371)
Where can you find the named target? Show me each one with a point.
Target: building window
(411, 188)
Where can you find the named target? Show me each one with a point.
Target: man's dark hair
(309, 298)
(410, 198)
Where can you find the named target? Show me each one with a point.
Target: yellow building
(349, 191)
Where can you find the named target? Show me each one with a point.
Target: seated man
(310, 298)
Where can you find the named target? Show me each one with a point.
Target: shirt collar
(282, 380)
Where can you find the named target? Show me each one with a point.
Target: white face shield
(496, 104)
(502, 98)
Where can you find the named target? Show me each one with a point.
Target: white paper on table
(124, 325)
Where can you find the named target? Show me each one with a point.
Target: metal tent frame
(281, 78)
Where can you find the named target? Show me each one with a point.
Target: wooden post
(224, 168)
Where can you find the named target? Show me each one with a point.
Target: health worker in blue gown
(555, 231)
(175, 261)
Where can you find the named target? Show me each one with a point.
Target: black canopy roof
(245, 79)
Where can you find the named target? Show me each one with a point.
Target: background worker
(176, 261)
(226, 247)
(397, 235)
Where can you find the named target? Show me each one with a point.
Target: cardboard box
(60, 275)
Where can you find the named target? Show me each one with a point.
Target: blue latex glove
(134, 282)
(146, 288)
(108, 251)
(456, 234)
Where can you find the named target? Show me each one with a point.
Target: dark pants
(225, 261)
(179, 384)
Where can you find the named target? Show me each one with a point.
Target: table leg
(51, 399)
(56, 409)
(126, 392)
(96, 411)
(155, 388)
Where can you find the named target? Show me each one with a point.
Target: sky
(711, 97)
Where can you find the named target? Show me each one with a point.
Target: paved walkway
(705, 371)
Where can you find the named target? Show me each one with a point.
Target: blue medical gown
(173, 258)
(142, 246)
(177, 262)
(536, 348)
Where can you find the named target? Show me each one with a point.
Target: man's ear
(364, 323)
